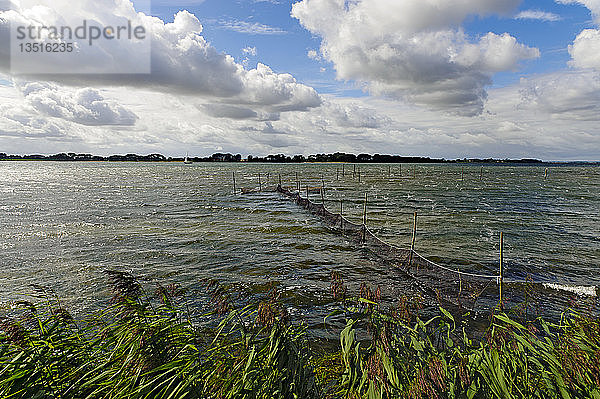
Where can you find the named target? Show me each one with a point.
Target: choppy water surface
(63, 224)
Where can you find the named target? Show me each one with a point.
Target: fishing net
(447, 285)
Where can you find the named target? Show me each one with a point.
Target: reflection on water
(62, 224)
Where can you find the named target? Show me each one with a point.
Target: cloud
(202, 101)
(182, 60)
(250, 51)
(251, 28)
(268, 1)
(592, 5)
(570, 96)
(414, 50)
(516, 122)
(228, 111)
(538, 15)
(30, 127)
(84, 106)
(351, 115)
(313, 55)
(585, 50)
(180, 3)
(269, 136)
(18, 122)
(277, 92)
(330, 115)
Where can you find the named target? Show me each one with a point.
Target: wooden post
(359, 175)
(546, 173)
(279, 179)
(414, 238)
(415, 172)
(259, 183)
(389, 171)
(354, 172)
(365, 210)
(337, 175)
(322, 183)
(481, 174)
(297, 183)
(307, 192)
(364, 238)
(462, 173)
(234, 188)
(459, 285)
(342, 215)
(323, 196)
(343, 170)
(501, 288)
(400, 170)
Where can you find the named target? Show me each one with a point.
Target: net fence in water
(448, 285)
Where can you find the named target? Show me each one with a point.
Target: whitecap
(576, 289)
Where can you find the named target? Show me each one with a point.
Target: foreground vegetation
(146, 346)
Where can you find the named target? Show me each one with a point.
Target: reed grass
(148, 346)
(141, 348)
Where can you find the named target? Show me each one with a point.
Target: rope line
(482, 276)
(475, 275)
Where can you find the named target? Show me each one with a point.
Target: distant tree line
(343, 157)
(72, 157)
(279, 158)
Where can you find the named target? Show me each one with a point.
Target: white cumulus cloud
(182, 60)
(84, 106)
(415, 49)
(585, 50)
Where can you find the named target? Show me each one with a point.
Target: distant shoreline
(337, 158)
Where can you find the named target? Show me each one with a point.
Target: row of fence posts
(358, 173)
(259, 181)
(414, 230)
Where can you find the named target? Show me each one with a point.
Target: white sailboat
(187, 159)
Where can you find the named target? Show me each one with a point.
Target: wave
(581, 290)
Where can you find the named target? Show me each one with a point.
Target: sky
(439, 78)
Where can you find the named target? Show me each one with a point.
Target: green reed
(144, 348)
(148, 346)
(395, 354)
